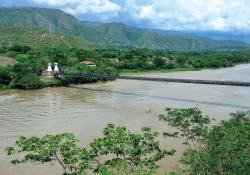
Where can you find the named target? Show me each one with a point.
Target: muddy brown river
(85, 110)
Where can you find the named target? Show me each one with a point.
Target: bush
(5, 76)
(21, 49)
(3, 49)
(22, 58)
(72, 60)
(159, 62)
(93, 74)
(28, 81)
(11, 54)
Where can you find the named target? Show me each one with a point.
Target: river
(85, 110)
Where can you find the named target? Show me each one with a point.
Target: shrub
(21, 49)
(5, 76)
(159, 62)
(92, 74)
(27, 81)
(22, 58)
(3, 49)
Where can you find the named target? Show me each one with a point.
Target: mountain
(91, 23)
(43, 18)
(37, 38)
(122, 35)
(215, 35)
(38, 17)
(235, 36)
(112, 35)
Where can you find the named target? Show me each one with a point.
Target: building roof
(88, 62)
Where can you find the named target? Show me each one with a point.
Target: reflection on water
(85, 110)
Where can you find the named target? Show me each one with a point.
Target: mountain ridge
(215, 35)
(109, 35)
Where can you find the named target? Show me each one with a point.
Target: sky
(202, 15)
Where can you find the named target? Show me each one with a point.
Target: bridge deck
(171, 80)
(174, 80)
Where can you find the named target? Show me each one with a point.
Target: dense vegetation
(225, 150)
(145, 59)
(25, 69)
(27, 72)
(218, 150)
(113, 35)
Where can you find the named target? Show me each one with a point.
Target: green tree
(222, 150)
(27, 81)
(159, 62)
(226, 149)
(191, 124)
(61, 148)
(21, 49)
(131, 153)
(5, 75)
(118, 151)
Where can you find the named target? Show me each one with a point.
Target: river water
(85, 110)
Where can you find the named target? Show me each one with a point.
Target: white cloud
(78, 7)
(193, 14)
(56, 2)
(222, 15)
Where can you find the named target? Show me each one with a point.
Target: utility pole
(50, 28)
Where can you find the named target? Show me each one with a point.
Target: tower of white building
(49, 68)
(56, 69)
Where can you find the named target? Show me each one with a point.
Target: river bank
(5, 91)
(55, 83)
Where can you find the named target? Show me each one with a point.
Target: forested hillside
(38, 38)
(113, 35)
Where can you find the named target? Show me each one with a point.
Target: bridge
(194, 81)
(169, 80)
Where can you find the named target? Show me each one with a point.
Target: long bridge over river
(169, 80)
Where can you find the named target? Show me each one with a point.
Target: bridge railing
(171, 80)
(195, 81)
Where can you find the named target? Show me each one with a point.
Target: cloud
(105, 8)
(221, 15)
(57, 3)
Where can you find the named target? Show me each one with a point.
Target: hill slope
(42, 18)
(38, 38)
(122, 35)
(4, 61)
(107, 35)
(215, 35)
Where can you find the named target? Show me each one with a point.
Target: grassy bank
(4, 91)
